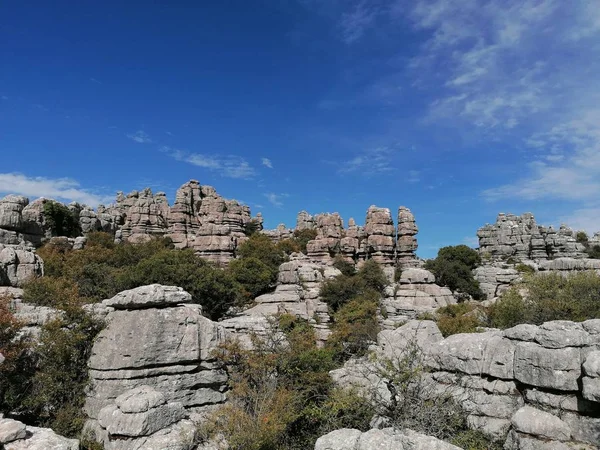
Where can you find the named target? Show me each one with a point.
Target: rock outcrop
(496, 278)
(15, 435)
(297, 293)
(141, 419)
(153, 337)
(18, 264)
(521, 238)
(415, 293)
(406, 240)
(375, 439)
(533, 386)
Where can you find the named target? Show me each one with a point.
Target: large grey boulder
(591, 380)
(15, 435)
(142, 411)
(18, 264)
(387, 438)
(539, 423)
(158, 345)
(547, 368)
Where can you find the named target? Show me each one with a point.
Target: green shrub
(475, 440)
(102, 269)
(582, 237)
(251, 227)
(355, 326)
(459, 318)
(453, 268)
(288, 246)
(61, 220)
(261, 247)
(593, 252)
(347, 268)
(548, 296)
(280, 392)
(303, 236)
(524, 268)
(254, 275)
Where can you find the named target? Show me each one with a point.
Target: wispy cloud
(94, 80)
(267, 163)
(355, 22)
(370, 162)
(64, 189)
(276, 199)
(4, 97)
(140, 136)
(230, 166)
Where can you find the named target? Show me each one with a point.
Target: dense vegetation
(453, 267)
(541, 297)
(593, 251)
(60, 219)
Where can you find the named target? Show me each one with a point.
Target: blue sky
(458, 109)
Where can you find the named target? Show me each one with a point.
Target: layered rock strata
(297, 293)
(533, 386)
(521, 238)
(141, 418)
(494, 279)
(154, 337)
(375, 439)
(18, 264)
(414, 294)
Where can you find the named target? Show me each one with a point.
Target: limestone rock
(16, 436)
(11, 430)
(150, 296)
(375, 439)
(168, 348)
(18, 264)
(495, 279)
(522, 238)
(406, 244)
(547, 368)
(541, 424)
(591, 380)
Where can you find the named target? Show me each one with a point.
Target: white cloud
(64, 189)
(4, 97)
(140, 136)
(355, 22)
(370, 162)
(229, 166)
(275, 199)
(267, 163)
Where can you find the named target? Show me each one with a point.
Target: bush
(355, 326)
(254, 275)
(102, 269)
(582, 237)
(548, 296)
(302, 237)
(281, 394)
(61, 220)
(343, 288)
(261, 247)
(347, 268)
(593, 252)
(453, 268)
(524, 268)
(459, 318)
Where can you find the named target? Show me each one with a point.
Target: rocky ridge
(532, 386)
(521, 238)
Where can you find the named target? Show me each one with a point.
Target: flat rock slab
(150, 296)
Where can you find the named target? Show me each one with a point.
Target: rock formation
(406, 240)
(415, 293)
(496, 278)
(15, 435)
(141, 418)
(387, 438)
(380, 236)
(521, 238)
(18, 264)
(297, 293)
(154, 337)
(533, 386)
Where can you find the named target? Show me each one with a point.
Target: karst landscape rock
(154, 377)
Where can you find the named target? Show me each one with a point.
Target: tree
(453, 268)
(61, 220)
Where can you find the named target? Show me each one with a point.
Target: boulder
(375, 439)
